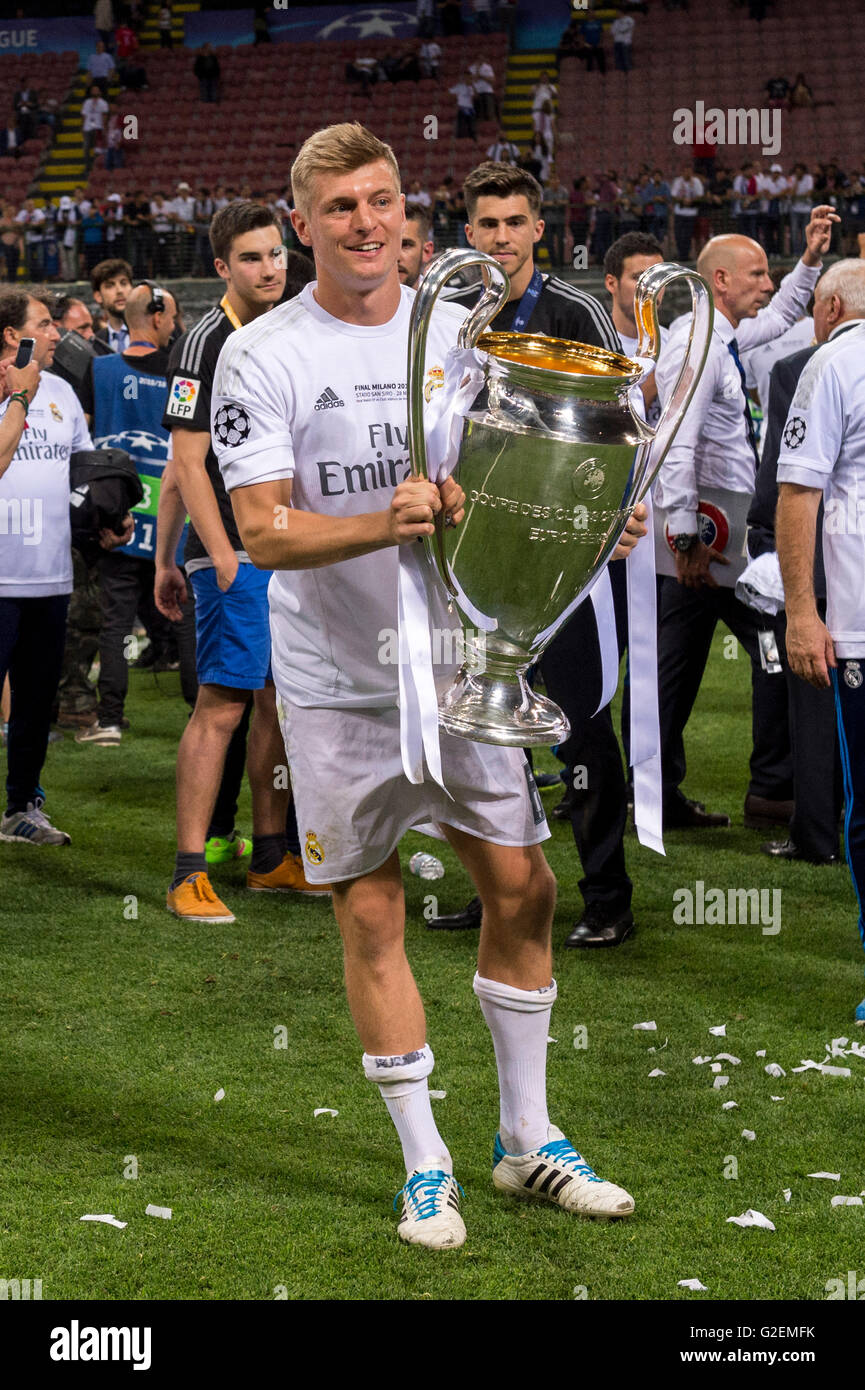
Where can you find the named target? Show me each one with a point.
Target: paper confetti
(772, 1069)
(728, 1057)
(106, 1220)
(692, 1284)
(437, 1095)
(720, 1031)
(834, 1071)
(730, 1105)
(787, 1194)
(837, 1047)
(752, 1218)
(832, 1177)
(761, 1053)
(220, 1094)
(698, 1061)
(716, 1067)
(846, 1201)
(164, 1212)
(552, 1040)
(646, 1027)
(748, 1134)
(323, 1110)
(776, 1097)
(719, 1082)
(657, 1072)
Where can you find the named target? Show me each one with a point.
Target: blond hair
(337, 149)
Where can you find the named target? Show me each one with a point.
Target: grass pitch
(119, 1026)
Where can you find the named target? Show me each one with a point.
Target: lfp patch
(182, 397)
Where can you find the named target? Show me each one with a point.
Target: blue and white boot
(555, 1172)
(431, 1208)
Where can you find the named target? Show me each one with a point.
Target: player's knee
(529, 891)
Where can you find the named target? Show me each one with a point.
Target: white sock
(404, 1084)
(519, 1020)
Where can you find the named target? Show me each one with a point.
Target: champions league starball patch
(231, 425)
(794, 434)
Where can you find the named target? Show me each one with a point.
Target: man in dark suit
(839, 304)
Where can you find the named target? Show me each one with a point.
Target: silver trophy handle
(649, 287)
(498, 287)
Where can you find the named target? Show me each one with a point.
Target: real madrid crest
(312, 849)
(852, 674)
(56, 412)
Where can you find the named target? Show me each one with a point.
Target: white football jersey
(300, 394)
(823, 447)
(35, 535)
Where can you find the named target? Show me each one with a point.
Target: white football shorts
(354, 802)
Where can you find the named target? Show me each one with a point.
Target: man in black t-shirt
(503, 206)
(232, 618)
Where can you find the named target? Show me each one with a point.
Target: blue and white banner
(31, 36)
(357, 23)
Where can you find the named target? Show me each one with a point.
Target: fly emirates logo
(386, 468)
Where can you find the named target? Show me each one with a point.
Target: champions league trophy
(552, 460)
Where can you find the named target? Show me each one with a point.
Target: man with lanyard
(126, 400)
(503, 206)
(111, 282)
(232, 617)
(711, 464)
(823, 458)
(293, 471)
(35, 563)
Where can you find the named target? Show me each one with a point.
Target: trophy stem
(493, 703)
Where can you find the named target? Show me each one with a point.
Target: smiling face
(507, 230)
(354, 224)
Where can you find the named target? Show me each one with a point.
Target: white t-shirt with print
(299, 394)
(35, 535)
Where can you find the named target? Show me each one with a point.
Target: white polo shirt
(823, 446)
(35, 535)
(299, 394)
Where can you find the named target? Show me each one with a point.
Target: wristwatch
(685, 542)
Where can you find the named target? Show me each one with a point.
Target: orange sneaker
(194, 900)
(287, 877)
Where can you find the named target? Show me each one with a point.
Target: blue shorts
(232, 629)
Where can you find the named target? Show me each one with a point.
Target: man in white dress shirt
(715, 448)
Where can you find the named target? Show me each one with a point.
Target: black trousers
(32, 639)
(686, 624)
(125, 590)
(571, 669)
(817, 785)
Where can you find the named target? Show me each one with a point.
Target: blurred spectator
(854, 213)
(114, 137)
(10, 144)
(93, 114)
(593, 46)
(745, 206)
(26, 103)
(164, 26)
(720, 200)
(629, 209)
(483, 15)
(581, 204)
(425, 14)
(543, 91)
(571, 43)
(483, 76)
(103, 15)
(32, 219)
(362, 70)
(536, 161)
(503, 150)
(163, 220)
(545, 126)
(777, 91)
(554, 209)
(465, 95)
(430, 57)
(202, 216)
(100, 66)
(606, 193)
(115, 226)
(259, 24)
(801, 95)
(93, 237)
(184, 207)
(130, 71)
(138, 220)
(654, 195)
(67, 230)
(622, 31)
(206, 68)
(417, 194)
(686, 191)
(11, 242)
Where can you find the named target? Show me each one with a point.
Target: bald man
(128, 398)
(715, 449)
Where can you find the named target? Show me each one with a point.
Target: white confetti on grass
(716, 1067)
(699, 1061)
(437, 1095)
(720, 1031)
(651, 1027)
(748, 1134)
(772, 1069)
(787, 1194)
(719, 1082)
(730, 1105)
(693, 1284)
(552, 1040)
(323, 1110)
(657, 1072)
(830, 1177)
(846, 1202)
(776, 1097)
(164, 1212)
(106, 1220)
(761, 1053)
(752, 1218)
(808, 1064)
(220, 1094)
(728, 1057)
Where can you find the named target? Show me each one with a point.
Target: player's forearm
(285, 539)
(199, 499)
(170, 519)
(795, 532)
(11, 430)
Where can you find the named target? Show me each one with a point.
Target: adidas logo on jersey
(328, 400)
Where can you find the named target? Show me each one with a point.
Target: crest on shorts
(312, 849)
(794, 434)
(231, 425)
(56, 413)
(853, 675)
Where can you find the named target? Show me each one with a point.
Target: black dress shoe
(760, 812)
(562, 809)
(786, 849)
(598, 928)
(459, 921)
(545, 780)
(683, 814)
